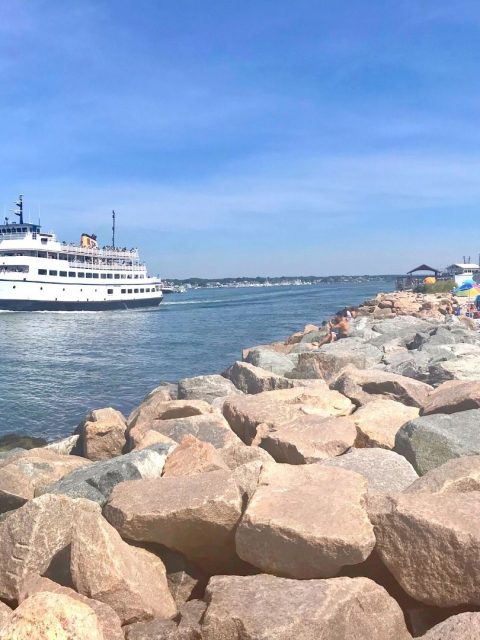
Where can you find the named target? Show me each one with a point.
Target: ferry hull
(59, 305)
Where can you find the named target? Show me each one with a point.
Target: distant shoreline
(260, 281)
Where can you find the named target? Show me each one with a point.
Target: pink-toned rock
(212, 428)
(53, 616)
(361, 384)
(271, 608)
(194, 515)
(130, 580)
(464, 626)
(453, 396)
(309, 439)
(34, 534)
(378, 421)
(193, 456)
(306, 522)
(251, 379)
(275, 408)
(25, 474)
(102, 434)
(153, 437)
(458, 475)
(106, 616)
(431, 544)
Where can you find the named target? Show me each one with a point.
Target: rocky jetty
(316, 492)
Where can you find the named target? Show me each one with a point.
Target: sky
(261, 137)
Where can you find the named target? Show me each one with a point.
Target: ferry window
(129, 291)
(109, 276)
(42, 272)
(136, 276)
(110, 291)
(123, 291)
(71, 274)
(104, 276)
(147, 290)
(129, 276)
(135, 291)
(95, 275)
(44, 240)
(52, 273)
(81, 274)
(63, 256)
(117, 276)
(63, 274)
(123, 276)
(142, 290)
(89, 275)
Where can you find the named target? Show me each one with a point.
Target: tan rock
(464, 626)
(5, 613)
(378, 421)
(251, 379)
(274, 408)
(193, 456)
(306, 522)
(33, 535)
(130, 580)
(185, 580)
(458, 475)
(102, 434)
(358, 384)
(106, 616)
(431, 544)
(453, 396)
(309, 439)
(239, 453)
(24, 475)
(212, 428)
(153, 437)
(271, 608)
(194, 515)
(53, 616)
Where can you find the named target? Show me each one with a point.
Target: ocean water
(55, 367)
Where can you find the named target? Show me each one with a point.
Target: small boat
(40, 273)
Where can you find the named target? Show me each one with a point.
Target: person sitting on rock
(337, 329)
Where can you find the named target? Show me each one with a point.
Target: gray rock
(251, 379)
(405, 326)
(386, 471)
(330, 359)
(64, 447)
(429, 441)
(270, 360)
(206, 388)
(96, 481)
(152, 630)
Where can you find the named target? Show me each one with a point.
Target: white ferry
(40, 273)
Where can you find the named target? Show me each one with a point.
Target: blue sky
(261, 137)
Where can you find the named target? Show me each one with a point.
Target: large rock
(206, 388)
(24, 474)
(308, 439)
(102, 434)
(360, 386)
(211, 428)
(306, 522)
(464, 626)
(463, 364)
(378, 421)
(458, 475)
(274, 408)
(53, 615)
(330, 359)
(238, 454)
(429, 441)
(251, 379)
(96, 481)
(453, 396)
(185, 580)
(106, 616)
(33, 535)
(153, 630)
(386, 471)
(129, 579)
(271, 608)
(193, 456)
(195, 515)
(5, 613)
(431, 544)
(270, 360)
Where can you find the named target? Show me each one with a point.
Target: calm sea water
(55, 367)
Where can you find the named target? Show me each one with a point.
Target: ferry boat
(40, 273)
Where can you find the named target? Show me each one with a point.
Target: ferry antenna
(113, 229)
(19, 212)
